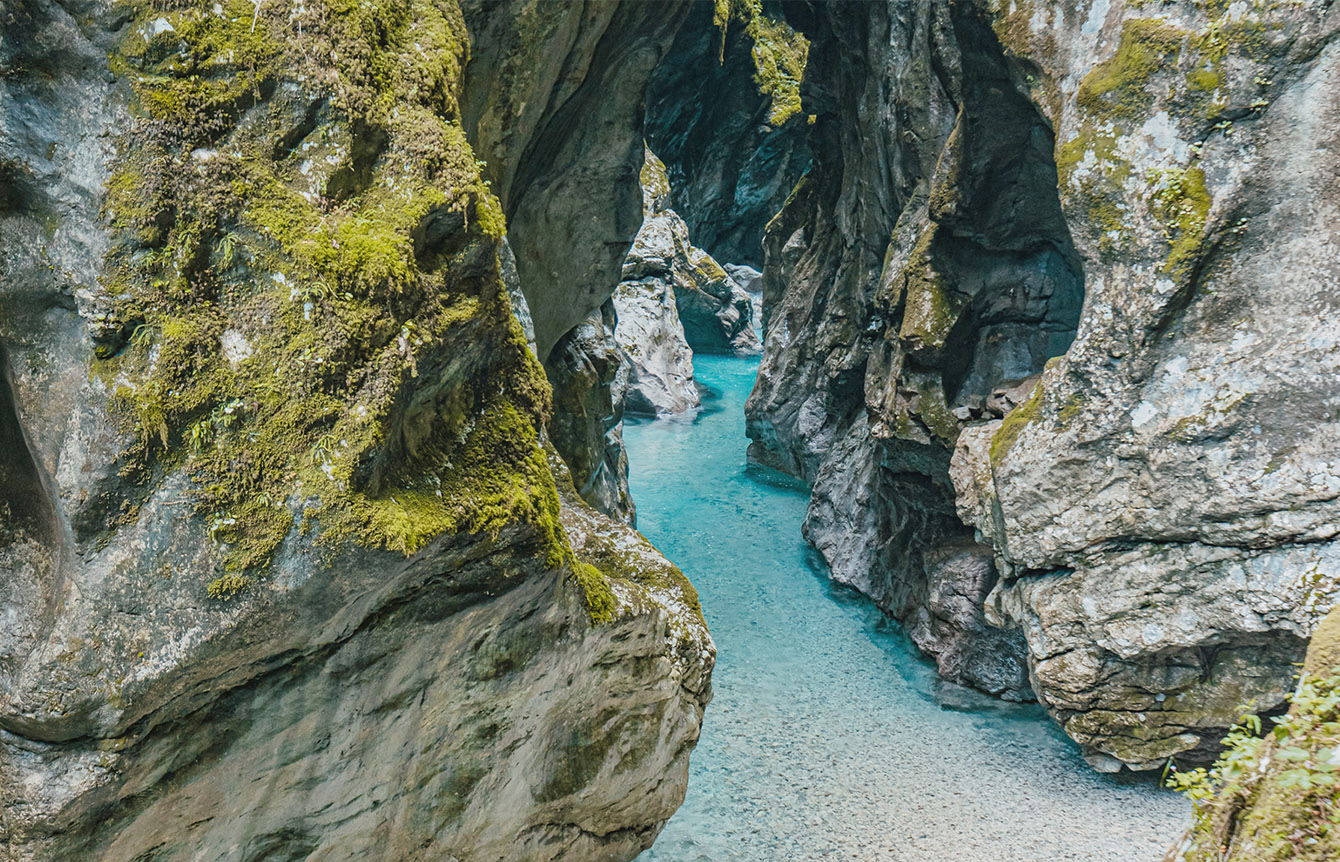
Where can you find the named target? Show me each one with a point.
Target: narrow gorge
(969, 365)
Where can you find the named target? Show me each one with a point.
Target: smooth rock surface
(657, 355)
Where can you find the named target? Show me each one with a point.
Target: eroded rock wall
(1150, 528)
(286, 569)
(1164, 506)
(724, 113)
(920, 265)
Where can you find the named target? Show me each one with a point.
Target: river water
(824, 739)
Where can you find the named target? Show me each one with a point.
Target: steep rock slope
(1156, 515)
(920, 265)
(1164, 508)
(554, 105)
(657, 357)
(285, 565)
(723, 112)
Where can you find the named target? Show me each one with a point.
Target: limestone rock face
(751, 281)
(1064, 214)
(553, 103)
(723, 112)
(1164, 507)
(589, 374)
(651, 338)
(714, 311)
(657, 358)
(922, 261)
(284, 566)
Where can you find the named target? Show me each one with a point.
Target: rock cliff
(1164, 506)
(723, 112)
(657, 357)
(286, 569)
(1148, 534)
(922, 263)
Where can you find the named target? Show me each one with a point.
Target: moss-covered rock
(1274, 794)
(274, 438)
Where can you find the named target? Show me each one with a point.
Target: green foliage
(377, 382)
(1182, 203)
(1275, 797)
(779, 54)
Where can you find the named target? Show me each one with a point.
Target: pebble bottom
(826, 738)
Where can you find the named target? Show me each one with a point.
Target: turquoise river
(824, 739)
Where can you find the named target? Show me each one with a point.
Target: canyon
(321, 324)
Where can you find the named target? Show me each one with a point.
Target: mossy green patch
(1276, 797)
(779, 54)
(1013, 425)
(1092, 174)
(1120, 86)
(306, 272)
(1181, 203)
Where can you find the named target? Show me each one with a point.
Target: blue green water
(824, 740)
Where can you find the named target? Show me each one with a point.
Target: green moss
(932, 307)
(225, 588)
(779, 54)
(1119, 87)
(1181, 202)
(1013, 425)
(374, 381)
(655, 180)
(496, 477)
(1098, 189)
(600, 601)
